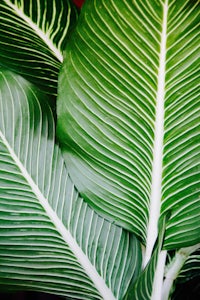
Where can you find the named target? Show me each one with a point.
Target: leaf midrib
(156, 186)
(89, 269)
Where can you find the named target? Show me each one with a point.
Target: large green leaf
(129, 115)
(33, 35)
(50, 240)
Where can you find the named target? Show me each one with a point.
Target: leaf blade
(181, 139)
(107, 119)
(32, 37)
(32, 171)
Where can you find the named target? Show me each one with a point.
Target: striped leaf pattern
(33, 35)
(181, 154)
(128, 115)
(191, 267)
(50, 239)
(108, 113)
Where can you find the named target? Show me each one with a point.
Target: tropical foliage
(99, 147)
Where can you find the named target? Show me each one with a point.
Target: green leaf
(128, 115)
(50, 239)
(33, 35)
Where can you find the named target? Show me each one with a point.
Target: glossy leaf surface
(50, 240)
(128, 115)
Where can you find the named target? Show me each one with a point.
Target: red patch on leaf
(78, 3)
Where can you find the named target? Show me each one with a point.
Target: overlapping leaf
(50, 240)
(128, 115)
(145, 285)
(191, 267)
(33, 35)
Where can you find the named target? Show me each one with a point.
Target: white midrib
(39, 32)
(155, 198)
(89, 269)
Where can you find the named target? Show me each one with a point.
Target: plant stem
(174, 268)
(159, 275)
